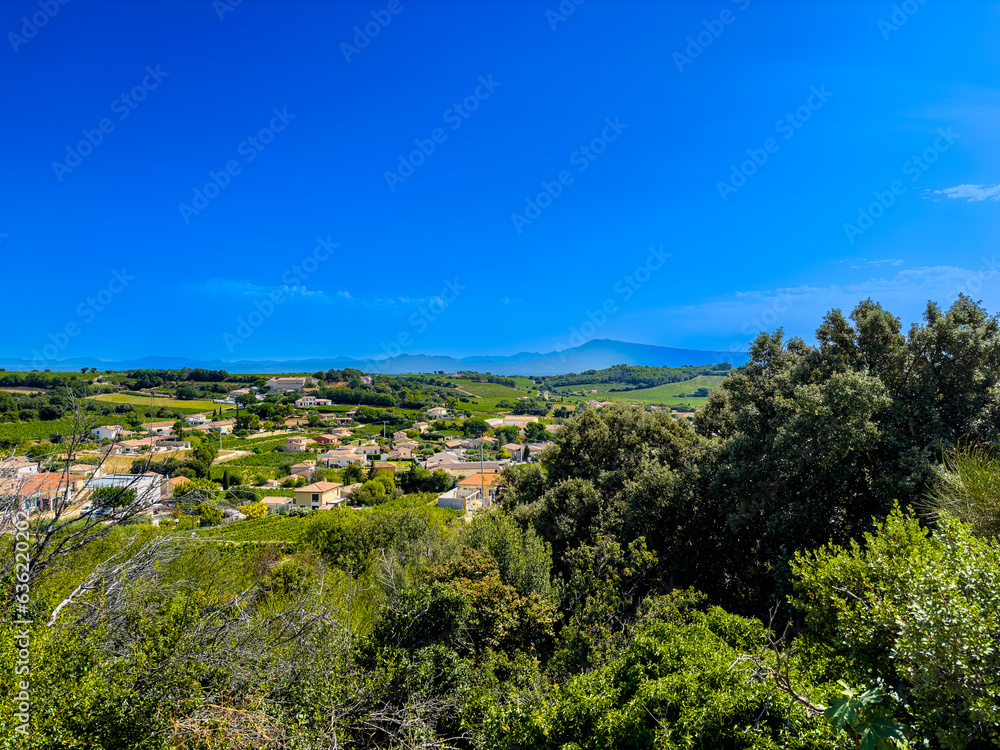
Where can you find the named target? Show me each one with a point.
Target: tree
(246, 421)
(246, 400)
(915, 612)
(352, 473)
(377, 490)
(476, 427)
(207, 451)
(209, 514)
(187, 393)
(113, 497)
(507, 434)
(254, 510)
(535, 431)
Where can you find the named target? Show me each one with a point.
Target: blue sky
(280, 180)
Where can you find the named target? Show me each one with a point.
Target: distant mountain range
(593, 355)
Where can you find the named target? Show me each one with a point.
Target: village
(332, 454)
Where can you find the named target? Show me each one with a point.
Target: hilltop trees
(800, 446)
(815, 441)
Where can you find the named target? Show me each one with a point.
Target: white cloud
(972, 193)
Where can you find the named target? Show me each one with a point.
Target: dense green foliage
(630, 590)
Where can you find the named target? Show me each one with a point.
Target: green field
(667, 394)
(40, 429)
(488, 390)
(185, 407)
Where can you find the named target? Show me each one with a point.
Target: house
(340, 460)
(83, 470)
(379, 466)
(476, 442)
(534, 450)
(366, 379)
(108, 432)
(158, 428)
(169, 443)
(287, 384)
(401, 454)
(297, 444)
(327, 439)
(339, 432)
(343, 420)
(422, 426)
(453, 444)
(494, 421)
(411, 444)
(553, 428)
(485, 481)
(149, 487)
(131, 447)
(515, 421)
(304, 469)
(345, 492)
(516, 451)
(370, 450)
(37, 490)
(461, 498)
(317, 495)
(276, 504)
(442, 456)
(313, 401)
(464, 468)
(437, 412)
(225, 426)
(196, 419)
(17, 466)
(174, 483)
(399, 436)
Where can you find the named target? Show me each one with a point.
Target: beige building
(318, 494)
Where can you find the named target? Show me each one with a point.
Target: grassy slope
(667, 394)
(185, 407)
